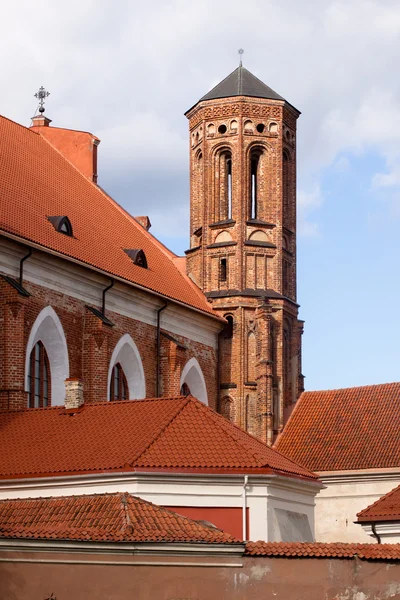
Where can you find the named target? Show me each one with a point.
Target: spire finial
(41, 94)
(240, 52)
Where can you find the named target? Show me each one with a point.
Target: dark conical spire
(241, 83)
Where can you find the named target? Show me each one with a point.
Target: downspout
(21, 266)
(376, 535)
(244, 509)
(159, 311)
(103, 303)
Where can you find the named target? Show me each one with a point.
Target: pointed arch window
(118, 384)
(185, 389)
(224, 211)
(38, 377)
(254, 199)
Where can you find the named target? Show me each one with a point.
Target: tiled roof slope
(351, 428)
(386, 508)
(160, 434)
(117, 517)
(321, 550)
(36, 181)
(241, 83)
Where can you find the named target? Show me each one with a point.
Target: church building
(90, 298)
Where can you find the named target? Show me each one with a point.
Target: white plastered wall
(345, 495)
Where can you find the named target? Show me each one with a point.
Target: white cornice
(138, 548)
(206, 480)
(86, 284)
(359, 476)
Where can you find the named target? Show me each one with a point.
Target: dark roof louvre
(61, 224)
(137, 256)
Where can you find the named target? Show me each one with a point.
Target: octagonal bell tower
(243, 245)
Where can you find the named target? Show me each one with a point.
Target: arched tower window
(285, 184)
(224, 184)
(118, 384)
(38, 377)
(198, 182)
(254, 199)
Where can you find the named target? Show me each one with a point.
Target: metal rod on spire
(240, 52)
(41, 94)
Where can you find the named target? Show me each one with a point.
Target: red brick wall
(90, 346)
(259, 255)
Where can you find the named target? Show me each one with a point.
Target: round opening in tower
(222, 129)
(260, 128)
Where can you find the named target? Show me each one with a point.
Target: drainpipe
(103, 304)
(376, 535)
(244, 509)
(159, 311)
(21, 266)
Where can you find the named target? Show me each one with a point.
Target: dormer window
(137, 256)
(61, 224)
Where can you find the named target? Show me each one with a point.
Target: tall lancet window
(285, 184)
(224, 209)
(229, 186)
(38, 377)
(254, 200)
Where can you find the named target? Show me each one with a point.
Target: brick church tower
(243, 245)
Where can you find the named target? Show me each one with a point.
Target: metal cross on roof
(240, 52)
(41, 94)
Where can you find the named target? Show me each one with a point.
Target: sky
(128, 70)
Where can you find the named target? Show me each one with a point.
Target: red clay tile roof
(321, 550)
(116, 517)
(160, 434)
(36, 181)
(351, 428)
(386, 508)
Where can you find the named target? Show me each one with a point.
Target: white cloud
(308, 201)
(127, 71)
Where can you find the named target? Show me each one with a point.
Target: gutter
(107, 274)
(159, 311)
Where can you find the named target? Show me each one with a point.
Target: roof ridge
(63, 129)
(221, 424)
(216, 416)
(219, 83)
(143, 451)
(387, 495)
(19, 124)
(354, 387)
